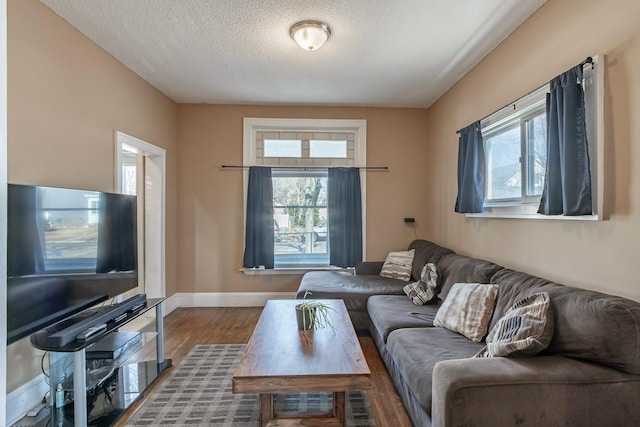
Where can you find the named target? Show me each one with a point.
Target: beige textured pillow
(467, 309)
(398, 265)
(424, 290)
(524, 330)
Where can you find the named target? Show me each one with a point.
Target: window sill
(526, 211)
(280, 271)
(534, 216)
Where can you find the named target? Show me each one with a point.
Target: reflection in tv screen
(65, 247)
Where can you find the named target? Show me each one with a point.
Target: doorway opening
(141, 170)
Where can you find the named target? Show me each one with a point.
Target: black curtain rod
(379, 168)
(589, 60)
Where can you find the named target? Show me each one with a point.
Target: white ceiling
(395, 53)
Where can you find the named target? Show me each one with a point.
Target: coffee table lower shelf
(269, 418)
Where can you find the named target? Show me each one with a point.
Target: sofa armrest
(369, 268)
(542, 390)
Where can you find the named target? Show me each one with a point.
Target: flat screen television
(67, 250)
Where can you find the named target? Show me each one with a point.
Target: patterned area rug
(198, 393)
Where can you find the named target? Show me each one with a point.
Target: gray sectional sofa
(589, 375)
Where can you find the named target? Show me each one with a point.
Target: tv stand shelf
(123, 384)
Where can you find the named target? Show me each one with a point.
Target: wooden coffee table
(281, 359)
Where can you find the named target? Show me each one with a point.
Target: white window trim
(252, 125)
(597, 140)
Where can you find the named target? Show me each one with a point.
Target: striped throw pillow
(398, 265)
(424, 290)
(524, 330)
(467, 309)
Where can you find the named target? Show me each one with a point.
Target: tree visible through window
(300, 217)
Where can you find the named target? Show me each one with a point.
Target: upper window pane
(328, 148)
(503, 164)
(282, 148)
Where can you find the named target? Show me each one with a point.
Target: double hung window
(515, 148)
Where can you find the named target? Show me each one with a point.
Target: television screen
(67, 249)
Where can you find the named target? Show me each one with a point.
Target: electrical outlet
(409, 220)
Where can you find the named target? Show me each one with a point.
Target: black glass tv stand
(114, 384)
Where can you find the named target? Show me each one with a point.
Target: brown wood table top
(279, 358)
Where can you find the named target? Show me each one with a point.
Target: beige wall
(603, 255)
(66, 97)
(211, 199)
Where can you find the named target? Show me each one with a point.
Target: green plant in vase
(313, 314)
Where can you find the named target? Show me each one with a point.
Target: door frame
(154, 211)
(3, 206)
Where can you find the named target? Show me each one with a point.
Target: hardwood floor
(186, 327)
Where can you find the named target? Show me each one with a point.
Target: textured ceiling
(397, 53)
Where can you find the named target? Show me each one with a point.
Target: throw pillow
(398, 265)
(424, 290)
(467, 309)
(524, 330)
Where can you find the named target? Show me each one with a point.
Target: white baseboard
(30, 394)
(170, 304)
(225, 299)
(25, 397)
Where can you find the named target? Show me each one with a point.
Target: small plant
(313, 314)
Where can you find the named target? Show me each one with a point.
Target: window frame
(594, 108)
(253, 125)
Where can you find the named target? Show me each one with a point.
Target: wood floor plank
(186, 327)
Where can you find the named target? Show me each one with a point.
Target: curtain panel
(258, 248)
(471, 170)
(567, 186)
(344, 203)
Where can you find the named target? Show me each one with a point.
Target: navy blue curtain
(258, 247)
(344, 203)
(567, 183)
(471, 170)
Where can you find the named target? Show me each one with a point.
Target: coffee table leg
(339, 406)
(266, 408)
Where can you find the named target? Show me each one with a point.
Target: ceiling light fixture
(310, 35)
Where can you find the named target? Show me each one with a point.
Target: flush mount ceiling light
(310, 35)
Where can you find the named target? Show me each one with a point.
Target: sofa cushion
(424, 290)
(526, 329)
(461, 269)
(398, 265)
(391, 312)
(587, 325)
(415, 352)
(468, 309)
(426, 251)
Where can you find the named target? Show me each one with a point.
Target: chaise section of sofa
(355, 289)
